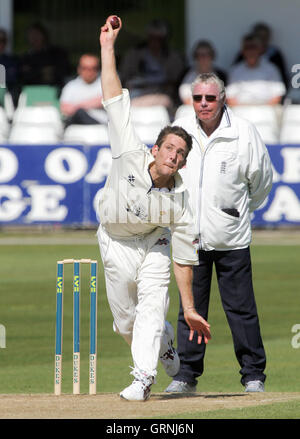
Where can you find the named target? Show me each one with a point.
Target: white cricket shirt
(130, 205)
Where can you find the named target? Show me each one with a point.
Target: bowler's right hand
(198, 324)
(108, 35)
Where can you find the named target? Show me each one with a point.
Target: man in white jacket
(228, 175)
(142, 198)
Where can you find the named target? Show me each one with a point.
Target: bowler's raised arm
(111, 84)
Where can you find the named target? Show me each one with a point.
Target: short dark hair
(261, 27)
(3, 35)
(252, 38)
(41, 29)
(177, 131)
(204, 44)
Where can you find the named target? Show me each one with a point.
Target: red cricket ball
(114, 21)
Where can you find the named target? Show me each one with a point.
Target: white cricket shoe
(139, 389)
(254, 386)
(168, 355)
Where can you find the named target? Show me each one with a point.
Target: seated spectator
(81, 100)
(43, 64)
(203, 55)
(152, 72)
(254, 80)
(269, 51)
(11, 64)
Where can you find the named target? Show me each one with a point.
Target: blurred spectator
(269, 51)
(203, 55)
(44, 63)
(11, 64)
(152, 71)
(254, 80)
(81, 98)
(272, 53)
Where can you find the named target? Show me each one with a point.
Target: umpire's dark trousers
(234, 275)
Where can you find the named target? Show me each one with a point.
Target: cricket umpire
(143, 197)
(228, 175)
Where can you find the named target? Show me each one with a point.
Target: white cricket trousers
(137, 276)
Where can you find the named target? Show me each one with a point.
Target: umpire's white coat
(233, 172)
(134, 239)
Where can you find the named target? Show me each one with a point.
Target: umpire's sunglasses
(208, 98)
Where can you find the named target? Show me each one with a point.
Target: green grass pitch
(27, 311)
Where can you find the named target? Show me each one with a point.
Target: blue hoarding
(51, 184)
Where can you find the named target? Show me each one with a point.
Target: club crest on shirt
(131, 179)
